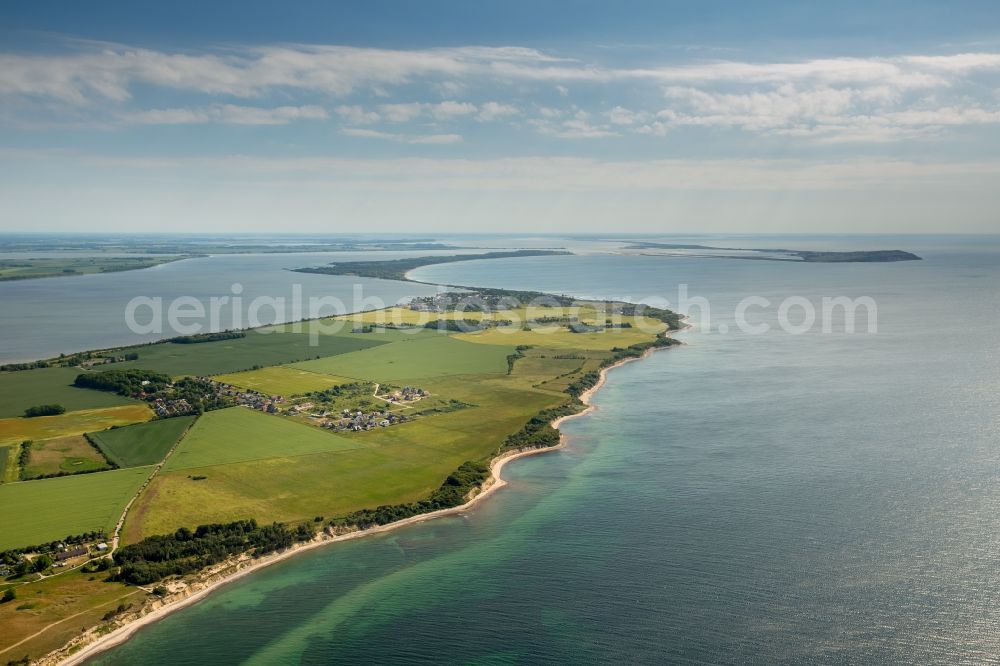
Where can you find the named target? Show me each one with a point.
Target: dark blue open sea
(744, 499)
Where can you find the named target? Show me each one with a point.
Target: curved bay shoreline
(91, 643)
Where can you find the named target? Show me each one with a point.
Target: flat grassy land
(4, 462)
(258, 348)
(63, 454)
(143, 443)
(239, 434)
(38, 511)
(419, 358)
(282, 380)
(71, 423)
(46, 386)
(396, 464)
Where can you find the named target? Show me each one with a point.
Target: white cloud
(402, 138)
(451, 109)
(491, 111)
(357, 115)
(111, 72)
(816, 99)
(405, 112)
(621, 116)
(226, 113)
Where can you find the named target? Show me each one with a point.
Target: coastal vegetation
(154, 558)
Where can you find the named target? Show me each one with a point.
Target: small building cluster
(357, 421)
(165, 408)
(407, 394)
(247, 397)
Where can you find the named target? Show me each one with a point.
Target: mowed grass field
(258, 348)
(143, 443)
(238, 434)
(71, 423)
(33, 512)
(63, 454)
(410, 360)
(282, 380)
(47, 386)
(401, 463)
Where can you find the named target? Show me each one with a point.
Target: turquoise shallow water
(819, 498)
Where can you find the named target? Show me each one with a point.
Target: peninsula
(396, 269)
(173, 466)
(44, 267)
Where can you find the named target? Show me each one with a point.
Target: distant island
(396, 269)
(856, 256)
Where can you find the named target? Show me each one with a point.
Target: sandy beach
(90, 644)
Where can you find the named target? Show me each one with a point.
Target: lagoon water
(775, 498)
(46, 317)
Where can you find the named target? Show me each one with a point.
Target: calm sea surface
(814, 498)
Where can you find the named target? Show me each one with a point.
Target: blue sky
(537, 116)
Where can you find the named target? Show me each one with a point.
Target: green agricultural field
(143, 443)
(396, 464)
(239, 434)
(410, 360)
(72, 454)
(5, 453)
(71, 423)
(257, 349)
(282, 380)
(45, 386)
(34, 512)
(560, 337)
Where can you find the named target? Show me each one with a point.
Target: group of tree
(207, 337)
(184, 551)
(128, 381)
(538, 432)
(44, 410)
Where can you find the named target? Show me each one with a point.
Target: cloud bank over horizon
(314, 136)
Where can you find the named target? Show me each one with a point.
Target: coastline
(89, 645)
